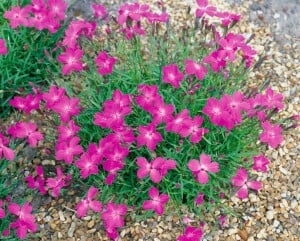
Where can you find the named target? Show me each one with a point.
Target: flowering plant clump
(159, 120)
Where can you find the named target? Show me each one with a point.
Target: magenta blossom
(157, 201)
(180, 123)
(241, 180)
(260, 163)
(196, 133)
(148, 136)
(57, 8)
(216, 60)
(71, 59)
(53, 96)
(38, 181)
(57, 183)
(199, 199)
(99, 10)
(193, 68)
(26, 104)
(66, 150)
(272, 134)
(273, 100)
(88, 164)
(17, 16)
(217, 112)
(201, 168)
(172, 75)
(66, 108)
(113, 218)
(25, 220)
(105, 63)
(157, 168)
(161, 113)
(83, 206)
(204, 8)
(3, 49)
(149, 97)
(26, 130)
(7, 152)
(191, 234)
(67, 131)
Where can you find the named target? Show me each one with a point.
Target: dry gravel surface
(273, 214)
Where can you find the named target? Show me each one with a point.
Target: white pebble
(270, 215)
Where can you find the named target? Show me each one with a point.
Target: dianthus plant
(145, 116)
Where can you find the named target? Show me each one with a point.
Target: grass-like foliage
(141, 116)
(31, 57)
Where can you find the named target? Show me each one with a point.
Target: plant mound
(138, 115)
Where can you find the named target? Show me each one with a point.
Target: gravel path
(274, 213)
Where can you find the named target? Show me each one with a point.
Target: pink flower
(83, 206)
(248, 54)
(18, 102)
(161, 113)
(227, 18)
(155, 17)
(17, 16)
(271, 134)
(2, 212)
(53, 96)
(215, 60)
(65, 132)
(204, 8)
(149, 97)
(199, 199)
(124, 100)
(234, 105)
(157, 201)
(274, 100)
(112, 115)
(25, 220)
(27, 104)
(196, 133)
(217, 113)
(193, 68)
(148, 136)
(56, 184)
(88, 164)
(134, 11)
(66, 108)
(39, 19)
(124, 134)
(241, 180)
(57, 8)
(114, 162)
(172, 75)
(113, 218)
(66, 150)
(99, 10)
(157, 168)
(71, 60)
(191, 234)
(180, 123)
(3, 49)
(37, 182)
(260, 163)
(222, 220)
(26, 130)
(7, 152)
(105, 63)
(201, 168)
